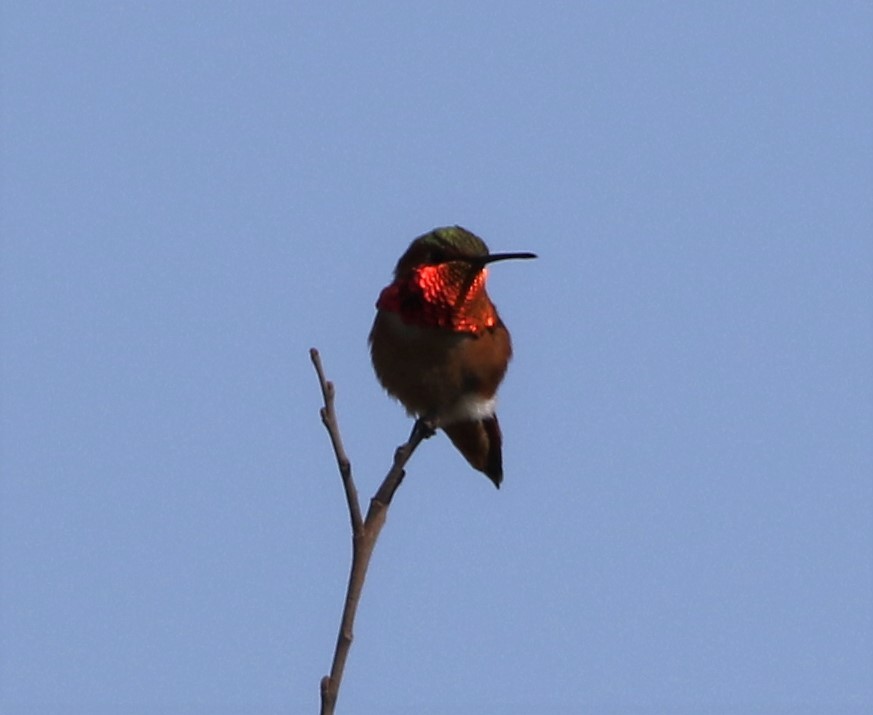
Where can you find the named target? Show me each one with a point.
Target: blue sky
(194, 194)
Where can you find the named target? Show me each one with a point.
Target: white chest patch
(471, 407)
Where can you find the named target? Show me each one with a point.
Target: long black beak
(492, 257)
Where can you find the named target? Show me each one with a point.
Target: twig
(364, 531)
(328, 418)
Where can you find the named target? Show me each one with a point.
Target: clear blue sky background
(193, 194)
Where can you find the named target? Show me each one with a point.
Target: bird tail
(480, 442)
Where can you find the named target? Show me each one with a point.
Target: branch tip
(365, 531)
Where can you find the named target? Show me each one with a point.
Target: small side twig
(329, 419)
(365, 531)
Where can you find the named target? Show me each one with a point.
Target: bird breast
(435, 372)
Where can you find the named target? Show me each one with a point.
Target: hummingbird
(439, 346)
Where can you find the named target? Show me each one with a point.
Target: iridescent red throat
(447, 295)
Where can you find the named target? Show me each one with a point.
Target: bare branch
(420, 432)
(329, 419)
(365, 532)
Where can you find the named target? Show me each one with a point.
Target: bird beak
(492, 257)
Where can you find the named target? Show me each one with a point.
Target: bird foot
(424, 426)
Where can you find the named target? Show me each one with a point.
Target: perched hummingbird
(438, 344)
